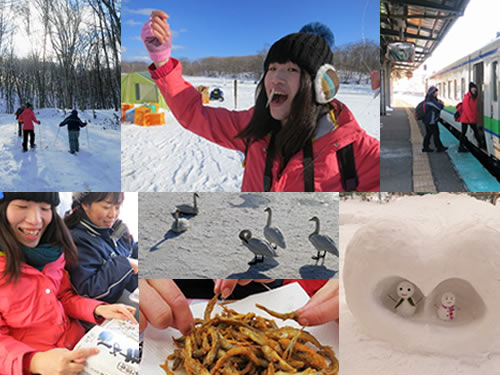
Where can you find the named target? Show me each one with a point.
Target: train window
(455, 92)
(462, 88)
(494, 78)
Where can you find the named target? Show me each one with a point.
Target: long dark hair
(301, 122)
(77, 212)
(55, 234)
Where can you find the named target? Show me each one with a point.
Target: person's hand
(163, 305)
(226, 286)
(60, 361)
(323, 307)
(157, 37)
(135, 266)
(116, 311)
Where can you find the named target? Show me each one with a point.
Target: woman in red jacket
(27, 117)
(39, 311)
(297, 137)
(469, 116)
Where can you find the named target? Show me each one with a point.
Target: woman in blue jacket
(432, 109)
(107, 254)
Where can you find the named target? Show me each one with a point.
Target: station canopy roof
(421, 22)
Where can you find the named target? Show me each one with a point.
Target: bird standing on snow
(322, 242)
(257, 246)
(186, 209)
(179, 225)
(273, 234)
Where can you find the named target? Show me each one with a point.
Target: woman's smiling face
(103, 213)
(282, 82)
(29, 220)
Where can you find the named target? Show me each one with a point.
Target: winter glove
(84, 124)
(157, 50)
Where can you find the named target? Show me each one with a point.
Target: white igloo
(436, 256)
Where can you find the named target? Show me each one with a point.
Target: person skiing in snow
(19, 122)
(27, 117)
(74, 124)
(469, 116)
(297, 137)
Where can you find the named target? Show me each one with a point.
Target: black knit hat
(309, 51)
(46, 197)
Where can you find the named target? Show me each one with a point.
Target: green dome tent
(139, 88)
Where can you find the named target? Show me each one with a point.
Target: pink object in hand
(158, 51)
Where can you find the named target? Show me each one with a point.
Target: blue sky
(240, 28)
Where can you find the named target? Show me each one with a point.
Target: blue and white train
(483, 68)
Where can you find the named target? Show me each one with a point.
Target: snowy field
(363, 355)
(170, 158)
(211, 248)
(50, 166)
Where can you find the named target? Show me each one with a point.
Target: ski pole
(88, 144)
(40, 135)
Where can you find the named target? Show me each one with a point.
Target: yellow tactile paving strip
(422, 175)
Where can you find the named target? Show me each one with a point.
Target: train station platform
(405, 168)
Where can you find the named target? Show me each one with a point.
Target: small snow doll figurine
(405, 305)
(447, 309)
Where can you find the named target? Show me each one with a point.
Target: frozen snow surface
(170, 158)
(363, 354)
(50, 166)
(211, 248)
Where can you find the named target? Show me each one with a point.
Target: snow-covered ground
(50, 166)
(363, 355)
(211, 248)
(170, 158)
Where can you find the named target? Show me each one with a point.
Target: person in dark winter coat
(19, 122)
(297, 137)
(74, 124)
(469, 116)
(432, 108)
(27, 117)
(107, 254)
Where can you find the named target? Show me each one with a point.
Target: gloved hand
(157, 37)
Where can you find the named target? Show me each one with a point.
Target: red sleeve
(16, 355)
(217, 125)
(27, 362)
(311, 286)
(75, 306)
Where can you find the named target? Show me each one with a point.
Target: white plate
(158, 344)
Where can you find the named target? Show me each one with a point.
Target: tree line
(353, 61)
(74, 60)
